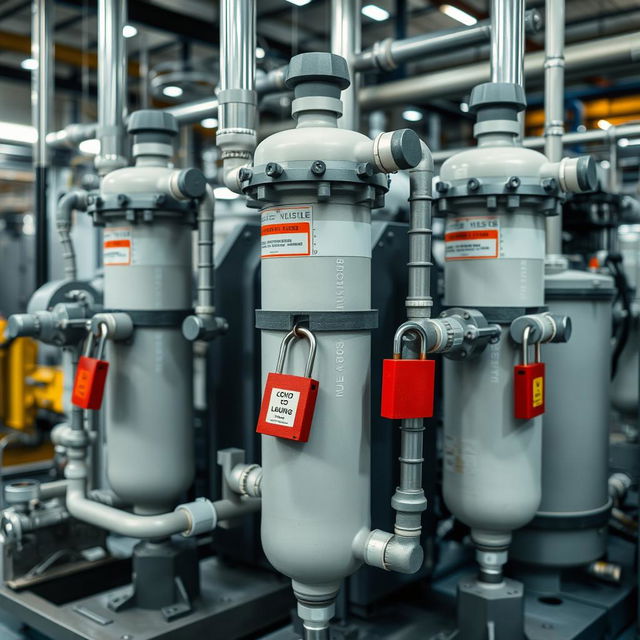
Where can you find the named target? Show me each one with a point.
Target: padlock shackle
(525, 347)
(295, 334)
(401, 331)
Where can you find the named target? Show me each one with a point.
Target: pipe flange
(21, 491)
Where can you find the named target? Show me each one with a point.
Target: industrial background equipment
(319, 320)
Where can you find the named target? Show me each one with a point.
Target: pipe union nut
(321, 614)
(374, 549)
(202, 516)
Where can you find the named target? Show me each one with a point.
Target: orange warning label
(472, 244)
(116, 247)
(286, 240)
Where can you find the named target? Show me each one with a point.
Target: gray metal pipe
(507, 41)
(593, 55)
(237, 110)
(112, 85)
(388, 54)
(206, 272)
(42, 76)
(72, 135)
(69, 202)
(419, 302)
(346, 42)
(41, 103)
(122, 522)
(554, 105)
(575, 138)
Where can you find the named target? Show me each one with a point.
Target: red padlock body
(287, 406)
(88, 386)
(407, 389)
(528, 390)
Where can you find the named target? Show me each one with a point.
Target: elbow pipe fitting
(393, 553)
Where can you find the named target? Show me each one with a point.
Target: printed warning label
(293, 231)
(116, 247)
(538, 391)
(472, 238)
(283, 405)
(286, 232)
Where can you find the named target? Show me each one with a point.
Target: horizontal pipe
(388, 54)
(593, 55)
(568, 139)
(55, 489)
(123, 522)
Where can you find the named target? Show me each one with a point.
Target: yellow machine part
(26, 386)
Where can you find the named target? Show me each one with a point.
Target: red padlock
(408, 385)
(528, 383)
(289, 401)
(91, 375)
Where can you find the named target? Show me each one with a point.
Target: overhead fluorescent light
(29, 63)
(173, 91)
(12, 132)
(299, 3)
(412, 115)
(222, 193)
(458, 14)
(209, 123)
(90, 147)
(260, 53)
(129, 31)
(604, 124)
(375, 12)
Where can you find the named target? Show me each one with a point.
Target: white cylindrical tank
(625, 387)
(570, 528)
(494, 261)
(148, 273)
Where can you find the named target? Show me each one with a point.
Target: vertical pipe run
(41, 103)
(112, 85)
(238, 45)
(237, 110)
(554, 105)
(346, 42)
(507, 41)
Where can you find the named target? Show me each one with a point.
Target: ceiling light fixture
(604, 124)
(299, 3)
(458, 14)
(172, 91)
(29, 63)
(129, 31)
(209, 123)
(91, 147)
(12, 132)
(412, 115)
(260, 53)
(222, 193)
(375, 12)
